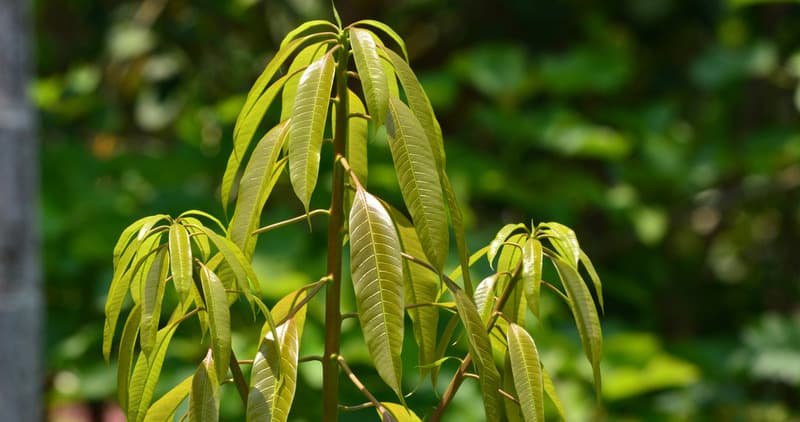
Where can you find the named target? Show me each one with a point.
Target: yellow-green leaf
(552, 394)
(513, 412)
(598, 285)
(164, 408)
(306, 26)
(200, 242)
(371, 74)
(419, 181)
(527, 370)
(234, 257)
(203, 400)
(180, 260)
(219, 319)
(272, 386)
(308, 125)
(386, 29)
(532, 258)
(303, 59)
(377, 274)
(564, 241)
(586, 318)
(480, 348)
(400, 413)
(497, 243)
(357, 139)
(127, 344)
(458, 232)
(484, 297)
(152, 296)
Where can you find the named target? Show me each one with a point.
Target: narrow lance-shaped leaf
(400, 413)
(371, 73)
(256, 179)
(481, 350)
(527, 370)
(586, 318)
(304, 58)
(377, 274)
(598, 285)
(126, 348)
(458, 231)
(484, 297)
(219, 319)
(386, 29)
(152, 296)
(200, 242)
(272, 389)
(164, 408)
(499, 239)
(308, 124)
(532, 258)
(564, 241)
(357, 139)
(203, 400)
(180, 260)
(419, 182)
(509, 260)
(235, 259)
(552, 394)
(420, 286)
(131, 236)
(318, 24)
(513, 412)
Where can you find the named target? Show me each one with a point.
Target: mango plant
(335, 86)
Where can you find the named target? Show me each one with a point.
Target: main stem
(333, 316)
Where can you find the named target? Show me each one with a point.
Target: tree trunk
(20, 285)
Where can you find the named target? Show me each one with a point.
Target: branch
(382, 410)
(315, 288)
(238, 379)
(290, 221)
(346, 166)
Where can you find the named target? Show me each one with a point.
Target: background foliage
(665, 133)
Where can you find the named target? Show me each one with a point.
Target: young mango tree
(345, 82)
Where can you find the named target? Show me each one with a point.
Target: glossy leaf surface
(527, 370)
(216, 302)
(203, 400)
(371, 74)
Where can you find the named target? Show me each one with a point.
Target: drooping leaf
(481, 350)
(527, 370)
(598, 285)
(200, 242)
(164, 408)
(420, 105)
(219, 319)
(564, 241)
(180, 260)
(307, 126)
(238, 264)
(272, 389)
(140, 272)
(513, 411)
(419, 181)
(318, 24)
(303, 59)
(371, 74)
(484, 297)
(400, 413)
(532, 258)
(420, 286)
(127, 344)
(203, 400)
(130, 237)
(552, 394)
(377, 274)
(199, 213)
(357, 139)
(508, 262)
(386, 29)
(458, 232)
(441, 347)
(121, 283)
(256, 181)
(499, 239)
(152, 296)
(586, 318)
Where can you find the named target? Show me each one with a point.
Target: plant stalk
(333, 317)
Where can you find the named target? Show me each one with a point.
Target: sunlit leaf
(203, 400)
(513, 412)
(499, 239)
(152, 296)
(481, 350)
(441, 347)
(319, 25)
(458, 231)
(255, 186)
(527, 370)
(420, 286)
(598, 285)
(307, 126)
(484, 297)
(400, 413)
(164, 408)
(371, 74)
(419, 181)
(586, 318)
(377, 275)
(303, 59)
(200, 242)
(219, 319)
(386, 29)
(180, 260)
(508, 263)
(564, 240)
(272, 386)
(127, 344)
(131, 236)
(552, 394)
(236, 260)
(357, 139)
(532, 258)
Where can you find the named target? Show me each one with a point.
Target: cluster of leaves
(397, 263)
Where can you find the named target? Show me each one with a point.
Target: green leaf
(121, 283)
(371, 74)
(377, 274)
(532, 258)
(146, 372)
(458, 231)
(152, 296)
(318, 23)
(386, 29)
(510, 258)
(307, 126)
(236, 260)
(480, 348)
(420, 105)
(357, 139)
(586, 318)
(401, 413)
(201, 242)
(164, 408)
(203, 400)
(255, 186)
(127, 241)
(441, 347)
(273, 378)
(219, 319)
(419, 181)
(420, 285)
(527, 370)
(303, 59)
(598, 285)
(499, 239)
(203, 214)
(484, 297)
(552, 394)
(180, 260)
(284, 306)
(126, 348)
(564, 240)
